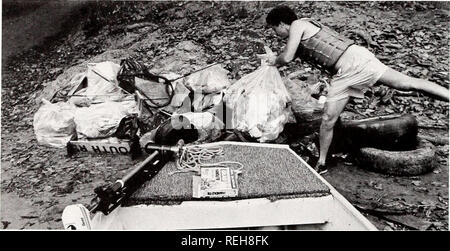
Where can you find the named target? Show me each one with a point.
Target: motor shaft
(176, 148)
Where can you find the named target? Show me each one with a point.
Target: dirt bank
(29, 24)
(412, 37)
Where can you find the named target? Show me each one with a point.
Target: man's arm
(295, 36)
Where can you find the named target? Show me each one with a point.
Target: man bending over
(353, 68)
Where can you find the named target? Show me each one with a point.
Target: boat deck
(277, 189)
(272, 173)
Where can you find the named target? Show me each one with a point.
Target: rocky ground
(412, 37)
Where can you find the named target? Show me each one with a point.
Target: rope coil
(192, 158)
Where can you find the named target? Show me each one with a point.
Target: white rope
(193, 157)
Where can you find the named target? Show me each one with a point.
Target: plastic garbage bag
(102, 85)
(260, 103)
(129, 69)
(54, 124)
(211, 80)
(128, 127)
(304, 106)
(102, 120)
(157, 94)
(206, 102)
(181, 92)
(170, 98)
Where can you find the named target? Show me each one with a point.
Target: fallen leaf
(442, 200)
(378, 187)
(436, 183)
(390, 224)
(429, 203)
(438, 224)
(416, 183)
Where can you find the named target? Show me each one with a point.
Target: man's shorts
(358, 70)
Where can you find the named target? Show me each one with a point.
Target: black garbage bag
(130, 69)
(128, 127)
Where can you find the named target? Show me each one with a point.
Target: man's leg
(401, 81)
(330, 115)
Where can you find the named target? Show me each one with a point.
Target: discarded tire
(400, 163)
(393, 132)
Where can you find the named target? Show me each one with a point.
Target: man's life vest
(324, 48)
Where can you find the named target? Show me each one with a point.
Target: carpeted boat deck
(267, 173)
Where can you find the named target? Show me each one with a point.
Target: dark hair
(281, 14)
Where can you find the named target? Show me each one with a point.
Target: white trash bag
(260, 104)
(54, 124)
(102, 85)
(102, 120)
(210, 80)
(206, 102)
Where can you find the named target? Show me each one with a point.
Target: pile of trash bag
(96, 104)
(106, 93)
(94, 107)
